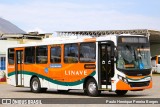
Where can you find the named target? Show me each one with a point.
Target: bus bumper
(133, 86)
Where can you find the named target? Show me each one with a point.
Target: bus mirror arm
(115, 52)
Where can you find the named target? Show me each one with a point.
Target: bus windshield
(133, 56)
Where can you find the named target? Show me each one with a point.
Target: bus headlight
(122, 78)
(148, 78)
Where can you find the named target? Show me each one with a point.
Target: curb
(3, 82)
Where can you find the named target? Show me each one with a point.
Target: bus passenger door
(19, 68)
(105, 64)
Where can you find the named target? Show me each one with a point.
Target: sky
(47, 16)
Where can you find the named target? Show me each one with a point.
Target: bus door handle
(109, 62)
(103, 62)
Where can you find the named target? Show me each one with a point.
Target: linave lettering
(78, 72)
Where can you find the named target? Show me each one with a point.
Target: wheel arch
(86, 79)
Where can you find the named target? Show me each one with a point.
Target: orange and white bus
(117, 63)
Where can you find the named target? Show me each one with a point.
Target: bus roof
(70, 39)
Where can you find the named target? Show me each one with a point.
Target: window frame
(80, 52)
(34, 55)
(38, 55)
(65, 51)
(60, 54)
(13, 56)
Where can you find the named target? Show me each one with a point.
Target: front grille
(139, 84)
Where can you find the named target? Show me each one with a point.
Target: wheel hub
(35, 85)
(92, 87)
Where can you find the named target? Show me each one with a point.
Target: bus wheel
(91, 88)
(35, 85)
(43, 90)
(121, 92)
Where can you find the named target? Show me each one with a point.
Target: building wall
(155, 49)
(4, 44)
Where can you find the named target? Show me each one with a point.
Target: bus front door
(19, 68)
(106, 64)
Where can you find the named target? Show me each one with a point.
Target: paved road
(7, 91)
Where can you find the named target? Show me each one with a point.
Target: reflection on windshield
(133, 57)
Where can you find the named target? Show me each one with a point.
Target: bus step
(104, 87)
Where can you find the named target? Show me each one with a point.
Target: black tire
(43, 90)
(92, 88)
(121, 92)
(85, 92)
(35, 85)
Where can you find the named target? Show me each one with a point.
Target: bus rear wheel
(91, 88)
(121, 92)
(35, 85)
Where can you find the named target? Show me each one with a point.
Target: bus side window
(87, 52)
(55, 55)
(29, 55)
(71, 53)
(11, 56)
(41, 54)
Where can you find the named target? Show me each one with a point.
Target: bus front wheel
(91, 88)
(121, 92)
(35, 85)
